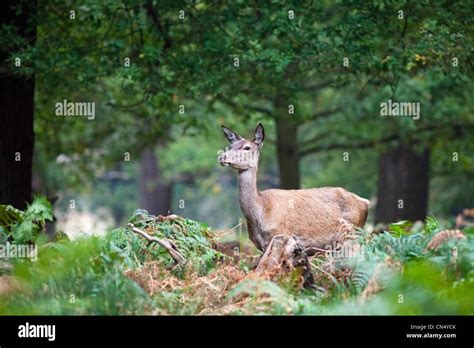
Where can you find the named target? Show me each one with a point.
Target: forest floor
(188, 269)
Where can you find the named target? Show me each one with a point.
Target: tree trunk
(403, 185)
(287, 152)
(17, 105)
(154, 192)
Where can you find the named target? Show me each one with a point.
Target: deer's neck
(248, 194)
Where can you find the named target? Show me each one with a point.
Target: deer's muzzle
(223, 161)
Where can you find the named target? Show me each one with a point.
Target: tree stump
(285, 254)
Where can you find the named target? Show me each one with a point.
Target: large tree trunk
(17, 110)
(403, 185)
(287, 152)
(155, 192)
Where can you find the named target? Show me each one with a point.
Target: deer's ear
(231, 136)
(259, 134)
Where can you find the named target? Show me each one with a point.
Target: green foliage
(399, 228)
(79, 277)
(282, 61)
(410, 279)
(23, 227)
(427, 289)
(431, 225)
(9, 216)
(402, 247)
(89, 276)
(193, 239)
(85, 276)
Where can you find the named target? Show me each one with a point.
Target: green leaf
(400, 228)
(40, 209)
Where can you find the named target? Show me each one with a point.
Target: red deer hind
(316, 217)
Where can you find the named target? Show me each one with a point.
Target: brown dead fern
(442, 237)
(375, 283)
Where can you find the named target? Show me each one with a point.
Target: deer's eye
(247, 147)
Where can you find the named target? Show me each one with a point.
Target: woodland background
(164, 75)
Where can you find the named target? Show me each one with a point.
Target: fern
(193, 239)
(23, 227)
(405, 247)
(359, 279)
(9, 216)
(431, 225)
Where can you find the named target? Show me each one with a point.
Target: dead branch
(167, 217)
(167, 244)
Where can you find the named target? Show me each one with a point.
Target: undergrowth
(393, 272)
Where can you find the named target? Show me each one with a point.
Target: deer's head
(242, 154)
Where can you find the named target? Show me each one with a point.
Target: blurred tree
(96, 52)
(310, 68)
(17, 87)
(154, 191)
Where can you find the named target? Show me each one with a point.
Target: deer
(315, 217)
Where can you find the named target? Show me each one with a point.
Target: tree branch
(317, 138)
(155, 17)
(317, 86)
(335, 146)
(364, 144)
(326, 113)
(167, 244)
(364, 87)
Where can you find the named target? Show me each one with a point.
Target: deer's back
(312, 215)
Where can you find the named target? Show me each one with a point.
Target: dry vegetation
(128, 272)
